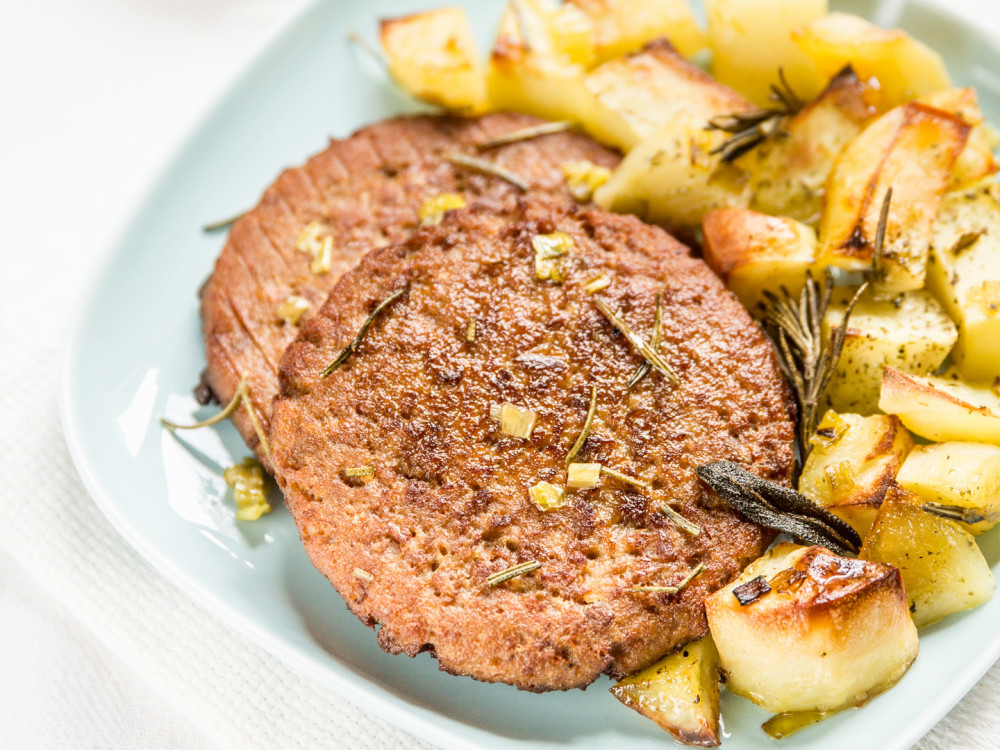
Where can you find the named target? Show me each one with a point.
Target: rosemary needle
(525, 134)
(578, 445)
(647, 351)
(644, 368)
(489, 168)
(672, 589)
(513, 572)
(348, 350)
(223, 223)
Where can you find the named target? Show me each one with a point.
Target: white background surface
(98, 651)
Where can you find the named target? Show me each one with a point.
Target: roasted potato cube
(964, 273)
(962, 477)
(539, 60)
(680, 693)
(623, 26)
(433, 56)
(911, 333)
(852, 465)
(942, 568)
(788, 173)
(976, 160)
(751, 40)
(911, 150)
(753, 252)
(829, 633)
(634, 97)
(942, 408)
(672, 177)
(904, 67)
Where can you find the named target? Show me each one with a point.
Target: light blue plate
(136, 353)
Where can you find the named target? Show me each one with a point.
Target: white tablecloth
(99, 651)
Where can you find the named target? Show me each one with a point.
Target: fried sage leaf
(349, 349)
(778, 507)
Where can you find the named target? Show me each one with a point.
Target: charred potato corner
(547, 442)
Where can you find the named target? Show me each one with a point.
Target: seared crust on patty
(365, 191)
(410, 549)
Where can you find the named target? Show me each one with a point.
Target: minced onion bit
(514, 420)
(316, 240)
(356, 472)
(470, 331)
(830, 429)
(547, 496)
(363, 575)
(596, 284)
(247, 481)
(513, 572)
(434, 209)
(583, 178)
(583, 476)
(672, 589)
(549, 248)
(292, 308)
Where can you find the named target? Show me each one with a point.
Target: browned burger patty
(365, 191)
(410, 550)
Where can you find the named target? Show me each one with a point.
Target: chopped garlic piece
(292, 308)
(583, 178)
(583, 476)
(841, 477)
(547, 496)
(434, 209)
(596, 284)
(549, 248)
(247, 481)
(514, 421)
(318, 243)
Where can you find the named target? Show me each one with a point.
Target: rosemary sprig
(525, 134)
(648, 352)
(513, 572)
(242, 396)
(777, 507)
(752, 128)
(654, 342)
(672, 589)
(578, 445)
(350, 348)
(797, 326)
(488, 168)
(223, 223)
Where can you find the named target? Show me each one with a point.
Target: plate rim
(424, 723)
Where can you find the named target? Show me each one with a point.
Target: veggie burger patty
(315, 221)
(409, 493)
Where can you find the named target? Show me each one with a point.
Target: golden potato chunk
(680, 693)
(942, 568)
(623, 26)
(964, 273)
(803, 629)
(631, 98)
(904, 67)
(910, 150)
(853, 463)
(976, 160)
(433, 56)
(963, 478)
(942, 409)
(753, 252)
(538, 61)
(788, 173)
(672, 177)
(752, 39)
(911, 333)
